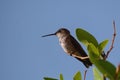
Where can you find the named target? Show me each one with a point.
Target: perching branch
(113, 39)
(82, 58)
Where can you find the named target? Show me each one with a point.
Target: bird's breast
(66, 44)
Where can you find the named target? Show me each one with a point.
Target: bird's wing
(77, 46)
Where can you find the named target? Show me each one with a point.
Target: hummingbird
(70, 45)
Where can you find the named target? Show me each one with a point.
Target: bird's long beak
(49, 35)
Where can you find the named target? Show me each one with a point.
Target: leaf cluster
(95, 51)
(77, 76)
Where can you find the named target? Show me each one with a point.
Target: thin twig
(111, 47)
(117, 72)
(113, 39)
(104, 78)
(85, 74)
(82, 58)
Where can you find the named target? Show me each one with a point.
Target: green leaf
(106, 68)
(77, 76)
(61, 77)
(102, 45)
(85, 37)
(97, 75)
(47, 78)
(93, 53)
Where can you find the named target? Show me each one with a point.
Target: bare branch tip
(113, 39)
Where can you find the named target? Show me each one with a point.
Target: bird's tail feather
(86, 62)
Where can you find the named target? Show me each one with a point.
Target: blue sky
(24, 55)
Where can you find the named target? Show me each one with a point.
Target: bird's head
(60, 33)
